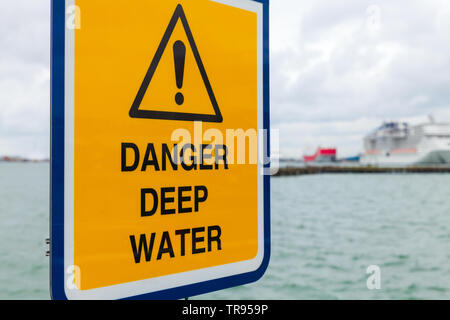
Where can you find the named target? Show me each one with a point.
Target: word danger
(197, 239)
(187, 157)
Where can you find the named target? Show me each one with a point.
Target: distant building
(322, 155)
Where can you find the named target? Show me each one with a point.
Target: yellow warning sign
(167, 102)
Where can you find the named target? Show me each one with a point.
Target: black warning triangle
(135, 112)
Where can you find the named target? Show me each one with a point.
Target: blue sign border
(58, 24)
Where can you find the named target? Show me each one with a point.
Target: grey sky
(338, 68)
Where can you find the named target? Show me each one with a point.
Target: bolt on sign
(157, 189)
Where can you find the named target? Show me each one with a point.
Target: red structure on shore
(322, 155)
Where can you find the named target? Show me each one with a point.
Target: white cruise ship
(399, 143)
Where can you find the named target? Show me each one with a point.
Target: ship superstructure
(400, 143)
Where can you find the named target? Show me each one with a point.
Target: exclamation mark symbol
(179, 55)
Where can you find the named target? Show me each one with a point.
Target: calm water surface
(326, 231)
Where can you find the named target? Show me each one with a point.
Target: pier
(295, 171)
